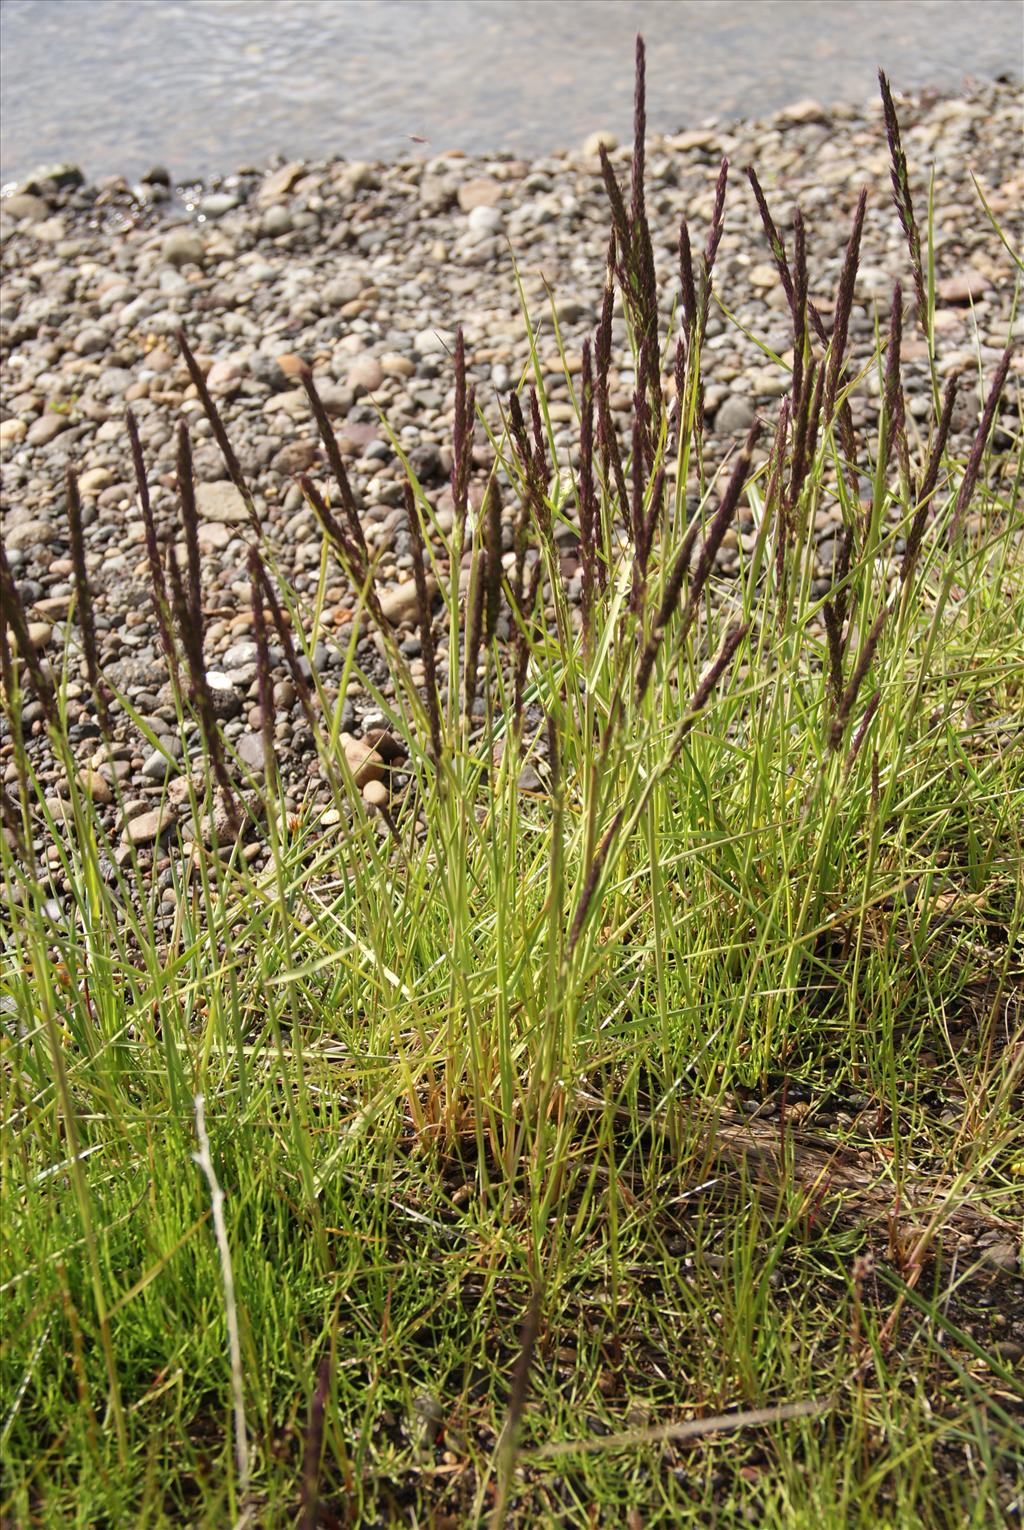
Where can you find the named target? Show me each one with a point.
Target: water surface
(208, 85)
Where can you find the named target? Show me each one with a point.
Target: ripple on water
(203, 85)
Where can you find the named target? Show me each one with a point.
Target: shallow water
(209, 85)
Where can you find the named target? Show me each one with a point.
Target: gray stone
(486, 220)
(434, 341)
(221, 502)
(31, 533)
(276, 221)
(365, 375)
(401, 603)
(250, 750)
(735, 416)
(163, 762)
(148, 828)
(25, 207)
(480, 192)
(240, 654)
(182, 247)
(43, 430)
(217, 203)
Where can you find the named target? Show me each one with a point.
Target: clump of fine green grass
(622, 1142)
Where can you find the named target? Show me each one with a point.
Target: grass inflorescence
(610, 1112)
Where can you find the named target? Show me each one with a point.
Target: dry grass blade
(212, 413)
(981, 435)
(310, 1516)
(83, 596)
(426, 626)
(861, 668)
(924, 494)
(327, 436)
(199, 689)
(901, 195)
(156, 569)
(692, 1429)
(190, 521)
(518, 1392)
(257, 579)
(844, 305)
(12, 613)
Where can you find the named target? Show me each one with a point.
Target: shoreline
(363, 271)
(157, 193)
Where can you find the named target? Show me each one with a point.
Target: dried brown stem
(227, 451)
(83, 597)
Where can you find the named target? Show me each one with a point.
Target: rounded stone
(94, 479)
(734, 416)
(182, 247)
(485, 220)
(601, 139)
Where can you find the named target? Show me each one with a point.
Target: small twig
(205, 1162)
(693, 1429)
(314, 1445)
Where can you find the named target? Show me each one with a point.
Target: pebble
(12, 432)
(163, 762)
(601, 139)
(967, 286)
(364, 762)
(276, 221)
(43, 430)
(280, 182)
(802, 112)
(25, 207)
(212, 536)
(96, 786)
(23, 535)
(434, 342)
(735, 416)
(182, 247)
(486, 220)
(249, 748)
(221, 502)
(481, 191)
(365, 375)
(94, 479)
(1003, 1255)
(149, 827)
(401, 604)
(39, 634)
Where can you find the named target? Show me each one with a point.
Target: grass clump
(608, 1111)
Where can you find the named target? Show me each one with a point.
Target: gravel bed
(363, 271)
